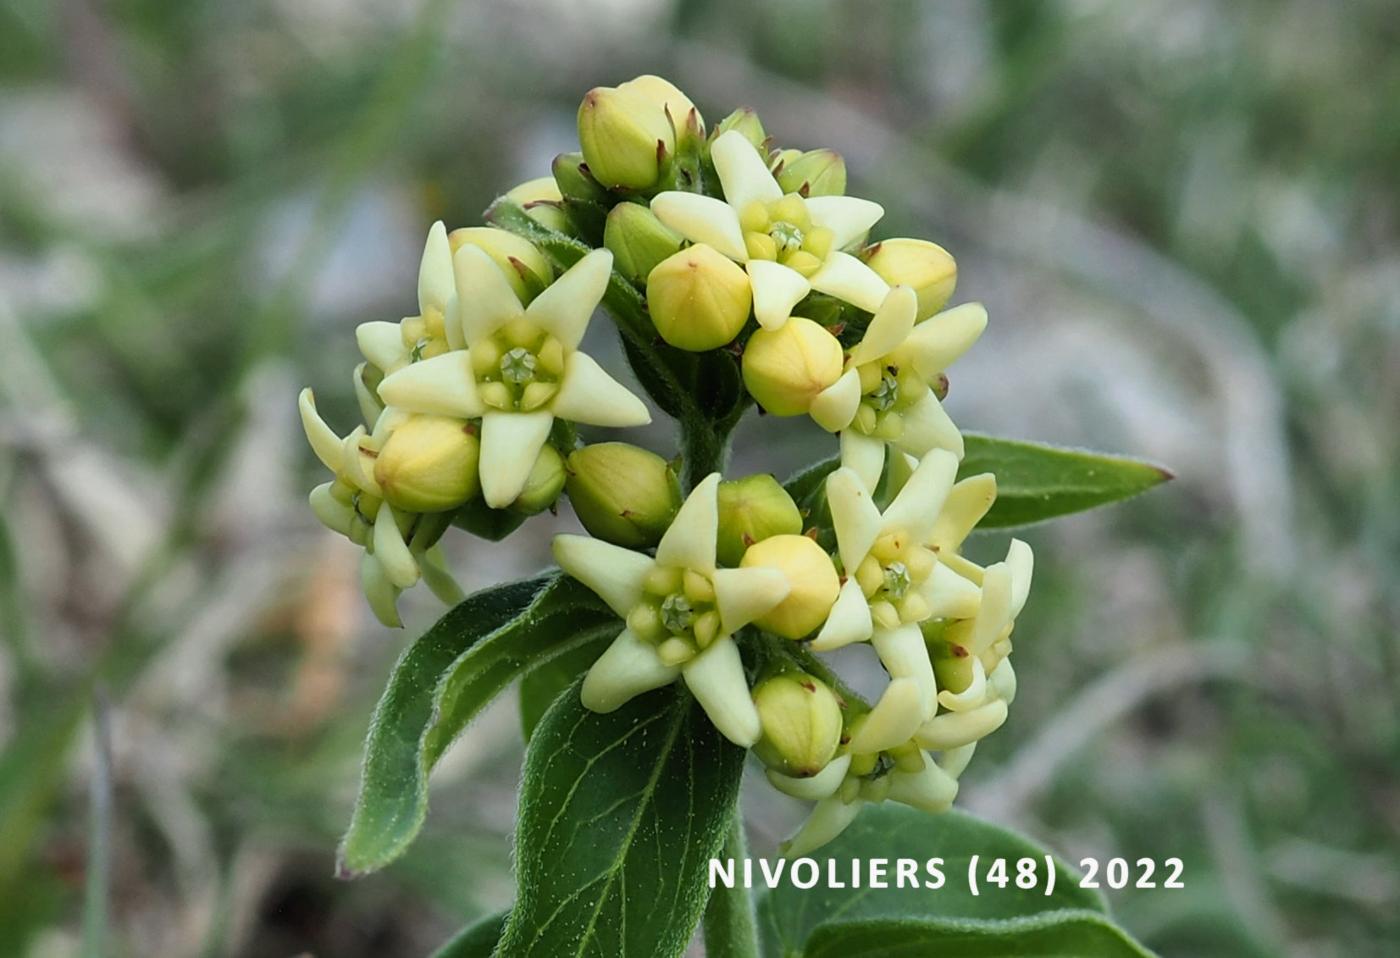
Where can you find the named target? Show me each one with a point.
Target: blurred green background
(1183, 217)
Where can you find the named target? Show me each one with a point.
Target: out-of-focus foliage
(1183, 218)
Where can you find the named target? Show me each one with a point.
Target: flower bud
(801, 721)
(523, 264)
(785, 368)
(429, 464)
(544, 484)
(746, 121)
(814, 173)
(668, 97)
(626, 137)
(751, 510)
(622, 494)
(812, 584)
(574, 180)
(541, 201)
(925, 267)
(698, 298)
(638, 240)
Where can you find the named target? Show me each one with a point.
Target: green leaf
(475, 941)
(1037, 482)
(788, 915)
(1060, 934)
(541, 687)
(619, 816)
(440, 683)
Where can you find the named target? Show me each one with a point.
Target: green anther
(788, 236)
(883, 396)
(883, 766)
(677, 615)
(897, 580)
(518, 365)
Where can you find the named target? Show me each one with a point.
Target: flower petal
(743, 595)
(865, 455)
(835, 406)
(967, 503)
(918, 503)
(433, 564)
(930, 789)
(626, 669)
(905, 656)
(742, 171)
(854, 517)
(850, 280)
(614, 573)
(995, 614)
(927, 426)
(327, 446)
(954, 761)
(847, 622)
(436, 284)
(955, 729)
(589, 395)
(381, 593)
(776, 290)
(815, 787)
(702, 219)
(970, 697)
(442, 386)
(939, 340)
(1021, 561)
(716, 678)
(893, 720)
(567, 304)
(510, 444)
(391, 551)
(485, 300)
(890, 326)
(382, 344)
(370, 406)
(334, 514)
(849, 217)
(829, 819)
(1003, 681)
(949, 595)
(690, 541)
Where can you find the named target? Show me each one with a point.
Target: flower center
(518, 367)
(783, 231)
(897, 580)
(677, 613)
(787, 235)
(890, 578)
(888, 387)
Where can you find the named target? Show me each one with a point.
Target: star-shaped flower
(885, 393)
(681, 612)
(789, 244)
(435, 329)
(520, 370)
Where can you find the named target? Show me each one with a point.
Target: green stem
(731, 930)
(704, 449)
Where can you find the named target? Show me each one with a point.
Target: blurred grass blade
(1061, 934)
(99, 852)
(440, 684)
(619, 816)
(1036, 481)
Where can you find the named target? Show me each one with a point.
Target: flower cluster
(756, 256)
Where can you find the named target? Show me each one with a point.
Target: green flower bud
(622, 494)
(574, 180)
(924, 267)
(523, 264)
(638, 240)
(750, 510)
(746, 121)
(626, 137)
(952, 666)
(785, 368)
(801, 721)
(814, 173)
(698, 298)
(541, 199)
(812, 584)
(429, 464)
(545, 483)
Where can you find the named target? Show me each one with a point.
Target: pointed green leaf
(475, 941)
(1059, 934)
(619, 816)
(1037, 481)
(788, 915)
(439, 685)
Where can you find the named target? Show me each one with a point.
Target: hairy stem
(729, 926)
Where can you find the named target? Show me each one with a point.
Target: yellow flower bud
(524, 266)
(429, 464)
(626, 137)
(812, 584)
(814, 173)
(638, 240)
(801, 721)
(667, 96)
(751, 510)
(785, 368)
(925, 267)
(622, 494)
(746, 121)
(698, 299)
(545, 482)
(541, 199)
